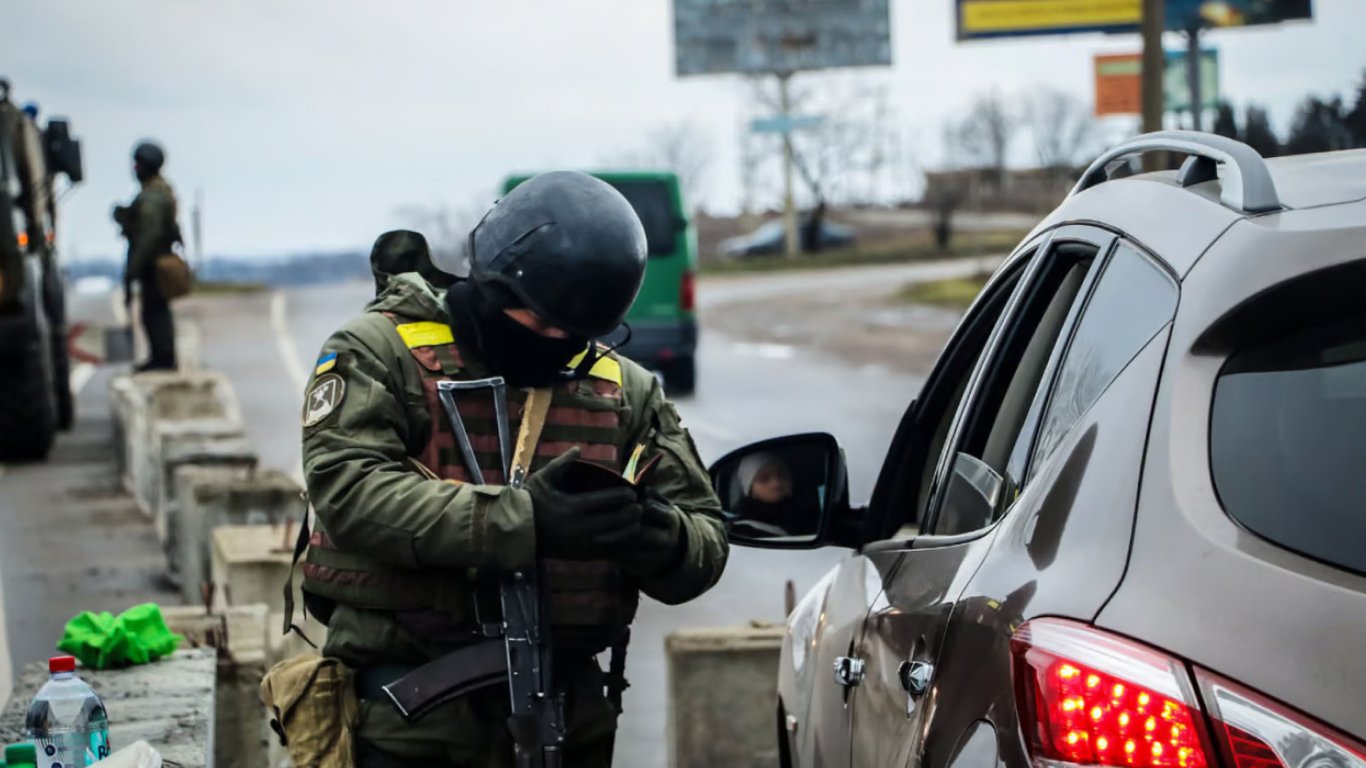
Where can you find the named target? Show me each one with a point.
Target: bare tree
(445, 226)
(985, 135)
(946, 192)
(683, 147)
(1062, 128)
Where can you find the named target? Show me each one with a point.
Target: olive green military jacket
(371, 502)
(150, 227)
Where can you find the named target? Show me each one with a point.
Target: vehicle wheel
(61, 383)
(28, 405)
(680, 376)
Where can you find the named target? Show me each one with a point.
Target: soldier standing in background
(149, 225)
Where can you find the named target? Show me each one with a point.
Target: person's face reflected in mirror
(772, 483)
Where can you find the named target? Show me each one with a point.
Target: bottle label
(72, 750)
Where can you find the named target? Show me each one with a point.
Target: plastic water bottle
(66, 720)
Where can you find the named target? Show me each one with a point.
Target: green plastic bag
(102, 640)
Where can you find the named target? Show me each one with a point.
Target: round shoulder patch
(323, 398)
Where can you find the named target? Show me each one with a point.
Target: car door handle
(915, 677)
(849, 671)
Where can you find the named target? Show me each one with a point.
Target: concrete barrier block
(207, 500)
(237, 634)
(723, 696)
(166, 437)
(146, 399)
(251, 564)
(122, 393)
(169, 703)
(233, 454)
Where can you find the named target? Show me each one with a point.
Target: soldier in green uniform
(403, 250)
(149, 224)
(403, 563)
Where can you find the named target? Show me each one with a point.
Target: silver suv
(1125, 521)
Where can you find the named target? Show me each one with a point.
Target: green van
(663, 320)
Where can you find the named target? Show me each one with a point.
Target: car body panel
(1267, 617)
(1120, 527)
(907, 624)
(806, 691)
(1172, 223)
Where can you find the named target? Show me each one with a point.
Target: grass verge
(957, 292)
(226, 287)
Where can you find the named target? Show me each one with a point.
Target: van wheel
(28, 405)
(680, 376)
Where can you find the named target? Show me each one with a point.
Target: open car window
(971, 491)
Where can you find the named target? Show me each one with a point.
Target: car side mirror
(783, 493)
(680, 224)
(63, 151)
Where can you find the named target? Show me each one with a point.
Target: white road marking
(289, 354)
(80, 376)
(768, 351)
(289, 357)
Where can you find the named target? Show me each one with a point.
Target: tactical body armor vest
(591, 603)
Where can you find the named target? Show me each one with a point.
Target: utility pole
(197, 229)
(793, 246)
(1154, 20)
(1193, 71)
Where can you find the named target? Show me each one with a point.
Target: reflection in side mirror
(782, 493)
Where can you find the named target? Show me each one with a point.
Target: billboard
(1119, 82)
(978, 19)
(776, 36)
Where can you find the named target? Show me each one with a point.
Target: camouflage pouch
(314, 710)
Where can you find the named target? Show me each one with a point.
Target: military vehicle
(35, 391)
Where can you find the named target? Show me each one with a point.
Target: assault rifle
(537, 721)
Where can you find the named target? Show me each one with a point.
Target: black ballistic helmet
(149, 156)
(565, 245)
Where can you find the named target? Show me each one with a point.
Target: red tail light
(1090, 698)
(1259, 733)
(687, 292)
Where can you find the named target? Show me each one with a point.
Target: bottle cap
(61, 664)
(18, 754)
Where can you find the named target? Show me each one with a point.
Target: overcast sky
(308, 124)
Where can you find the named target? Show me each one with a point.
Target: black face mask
(511, 350)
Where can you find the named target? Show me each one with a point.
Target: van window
(654, 206)
(1287, 445)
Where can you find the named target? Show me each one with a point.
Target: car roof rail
(1247, 184)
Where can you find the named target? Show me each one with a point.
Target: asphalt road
(266, 343)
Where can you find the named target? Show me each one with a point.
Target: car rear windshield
(1288, 442)
(654, 206)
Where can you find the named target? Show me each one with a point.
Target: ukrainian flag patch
(325, 363)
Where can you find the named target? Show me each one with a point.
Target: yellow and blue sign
(979, 19)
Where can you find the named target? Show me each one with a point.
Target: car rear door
(923, 576)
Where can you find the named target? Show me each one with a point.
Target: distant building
(1028, 190)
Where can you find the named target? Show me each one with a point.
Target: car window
(1132, 301)
(904, 485)
(1287, 446)
(973, 490)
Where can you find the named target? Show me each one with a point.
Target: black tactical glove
(659, 544)
(579, 526)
